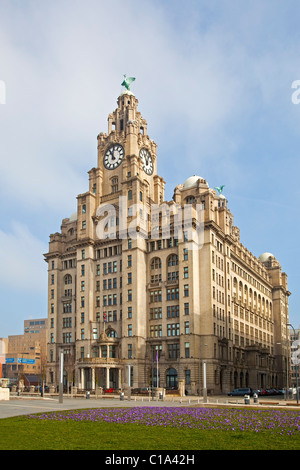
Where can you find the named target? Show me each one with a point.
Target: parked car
(240, 392)
(110, 390)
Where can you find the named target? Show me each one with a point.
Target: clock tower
(127, 168)
(127, 157)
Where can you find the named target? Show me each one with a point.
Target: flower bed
(285, 422)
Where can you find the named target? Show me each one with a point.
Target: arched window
(156, 263)
(172, 260)
(246, 295)
(68, 279)
(190, 200)
(112, 334)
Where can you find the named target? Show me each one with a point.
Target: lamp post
(296, 364)
(204, 383)
(61, 375)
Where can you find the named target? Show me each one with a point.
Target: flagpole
(157, 369)
(104, 320)
(152, 388)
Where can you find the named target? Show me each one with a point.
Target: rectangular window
(186, 327)
(129, 351)
(186, 290)
(129, 295)
(173, 294)
(155, 313)
(130, 330)
(186, 309)
(155, 296)
(155, 331)
(95, 333)
(104, 351)
(129, 312)
(186, 272)
(172, 311)
(173, 351)
(173, 329)
(173, 276)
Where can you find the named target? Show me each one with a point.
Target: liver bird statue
(127, 82)
(220, 189)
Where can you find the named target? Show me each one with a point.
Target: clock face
(113, 156)
(147, 161)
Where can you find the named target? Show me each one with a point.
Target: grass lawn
(78, 433)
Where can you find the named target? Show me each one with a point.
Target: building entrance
(172, 378)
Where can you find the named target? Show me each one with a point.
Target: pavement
(20, 405)
(17, 406)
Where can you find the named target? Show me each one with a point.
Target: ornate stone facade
(140, 290)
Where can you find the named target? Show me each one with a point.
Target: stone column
(119, 378)
(107, 377)
(93, 378)
(82, 377)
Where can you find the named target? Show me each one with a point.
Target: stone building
(161, 286)
(27, 354)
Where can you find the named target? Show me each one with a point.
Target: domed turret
(192, 181)
(265, 257)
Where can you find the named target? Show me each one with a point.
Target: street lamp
(61, 376)
(296, 364)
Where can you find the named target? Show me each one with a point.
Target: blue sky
(214, 81)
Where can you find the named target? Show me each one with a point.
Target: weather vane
(127, 82)
(220, 189)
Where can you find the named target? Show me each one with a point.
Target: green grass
(21, 433)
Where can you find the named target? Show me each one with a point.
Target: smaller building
(26, 354)
(3, 351)
(295, 351)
